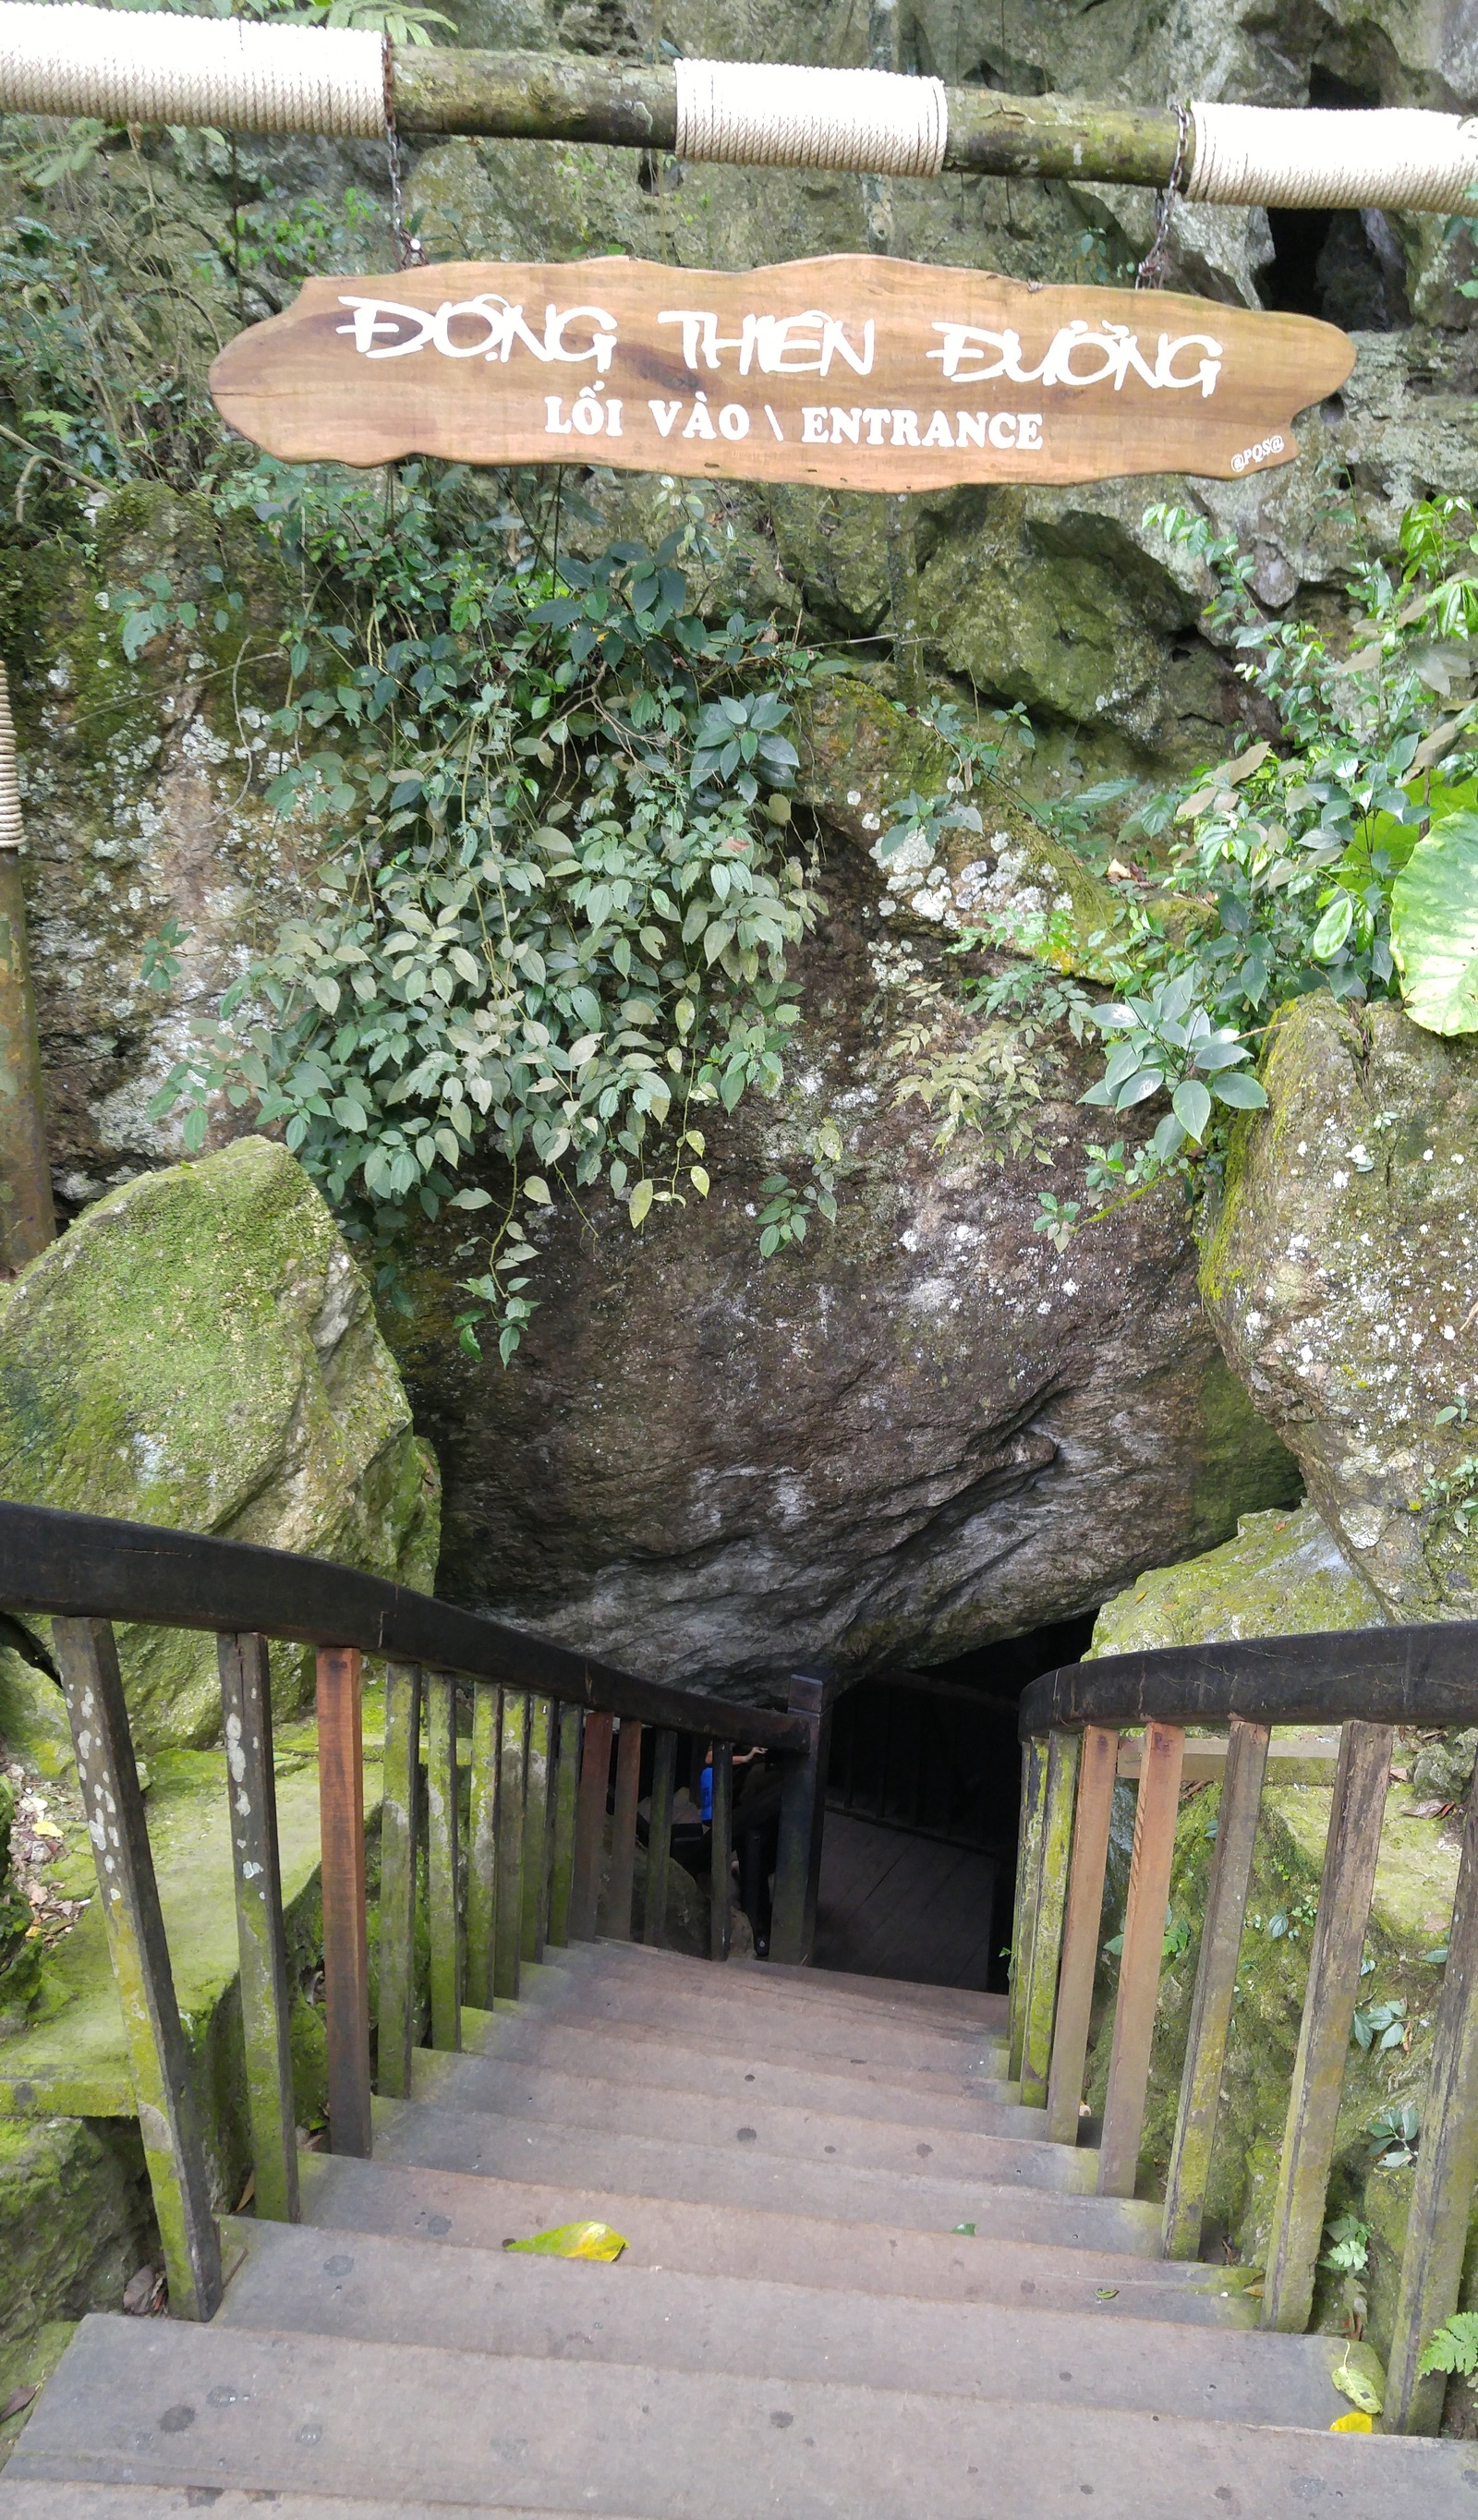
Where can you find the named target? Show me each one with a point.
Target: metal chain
(409, 249)
(1151, 271)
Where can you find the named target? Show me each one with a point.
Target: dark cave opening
(1347, 267)
(922, 1807)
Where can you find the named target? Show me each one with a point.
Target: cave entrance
(1347, 267)
(919, 1859)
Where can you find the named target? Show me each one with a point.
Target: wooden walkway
(898, 1906)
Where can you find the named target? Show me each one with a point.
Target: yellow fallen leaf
(574, 2240)
(1360, 2376)
(1353, 2422)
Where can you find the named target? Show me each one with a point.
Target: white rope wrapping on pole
(12, 833)
(764, 114)
(1397, 158)
(122, 65)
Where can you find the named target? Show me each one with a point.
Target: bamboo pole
(27, 1220)
(542, 96)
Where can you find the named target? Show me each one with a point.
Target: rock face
(201, 1351)
(911, 1434)
(1283, 1575)
(1339, 1278)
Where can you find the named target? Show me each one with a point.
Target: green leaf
(641, 1200)
(1191, 1105)
(1240, 1093)
(1454, 2346)
(1434, 927)
(1333, 928)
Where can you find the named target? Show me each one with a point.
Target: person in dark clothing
(756, 1840)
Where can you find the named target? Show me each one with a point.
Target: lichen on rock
(1339, 1278)
(201, 1351)
(1283, 1575)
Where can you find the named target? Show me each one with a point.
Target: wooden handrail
(83, 1566)
(1418, 1674)
(1366, 1680)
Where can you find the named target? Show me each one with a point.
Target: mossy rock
(1283, 1575)
(200, 1351)
(19, 1957)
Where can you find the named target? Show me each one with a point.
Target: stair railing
(1366, 1680)
(521, 1872)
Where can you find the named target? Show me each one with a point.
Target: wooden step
(632, 2052)
(450, 2209)
(1006, 2144)
(983, 2012)
(783, 1991)
(733, 2172)
(401, 2293)
(783, 2024)
(141, 2401)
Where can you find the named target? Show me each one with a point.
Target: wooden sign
(853, 371)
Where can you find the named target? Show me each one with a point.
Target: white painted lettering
(554, 425)
(1029, 431)
(937, 432)
(470, 310)
(1002, 428)
(905, 428)
(664, 414)
(586, 413)
(734, 422)
(376, 316)
(875, 423)
(846, 426)
(813, 424)
(699, 423)
(614, 427)
(1208, 370)
(833, 341)
(775, 425)
(970, 428)
(601, 342)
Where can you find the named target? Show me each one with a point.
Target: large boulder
(1281, 1575)
(908, 1435)
(201, 1351)
(1339, 1278)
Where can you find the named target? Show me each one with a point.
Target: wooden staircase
(857, 2281)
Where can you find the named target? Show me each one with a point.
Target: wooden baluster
(536, 1831)
(1446, 2166)
(590, 1825)
(566, 1780)
(260, 1937)
(660, 1838)
(623, 1836)
(802, 1819)
(1215, 1986)
(1028, 1887)
(509, 1918)
(1139, 1966)
(158, 2055)
(1358, 1807)
(480, 1954)
(400, 1837)
(721, 1854)
(341, 1836)
(1098, 1766)
(1052, 1901)
(444, 1901)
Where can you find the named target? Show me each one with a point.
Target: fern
(1454, 2346)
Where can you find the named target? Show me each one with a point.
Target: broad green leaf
(574, 2240)
(1191, 1105)
(640, 1200)
(1332, 929)
(1239, 1091)
(1434, 927)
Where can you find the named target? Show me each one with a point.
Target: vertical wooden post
(590, 1825)
(478, 1952)
(802, 1820)
(400, 1837)
(1215, 1987)
(623, 1833)
(509, 1936)
(536, 1831)
(1139, 1966)
(341, 1835)
(1098, 1766)
(660, 1838)
(1446, 2166)
(28, 1219)
(444, 1906)
(1357, 1809)
(1047, 1942)
(158, 2056)
(570, 1721)
(1028, 1888)
(260, 1937)
(721, 1854)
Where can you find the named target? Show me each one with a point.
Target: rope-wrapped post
(27, 1221)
